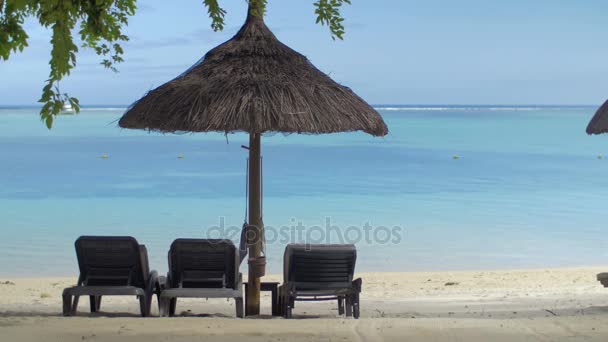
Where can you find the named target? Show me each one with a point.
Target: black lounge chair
(320, 272)
(603, 278)
(202, 268)
(111, 266)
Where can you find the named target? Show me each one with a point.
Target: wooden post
(255, 219)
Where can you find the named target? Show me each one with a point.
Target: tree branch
(328, 13)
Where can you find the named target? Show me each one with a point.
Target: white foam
(480, 108)
(96, 109)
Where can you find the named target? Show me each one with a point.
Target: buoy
(455, 156)
(180, 157)
(104, 156)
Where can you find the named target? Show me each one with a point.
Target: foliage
(328, 13)
(100, 28)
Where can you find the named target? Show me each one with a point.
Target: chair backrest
(318, 267)
(203, 263)
(112, 261)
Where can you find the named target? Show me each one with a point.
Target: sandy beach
(532, 305)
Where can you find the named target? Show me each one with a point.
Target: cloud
(134, 65)
(198, 36)
(302, 28)
(177, 68)
(355, 25)
(145, 8)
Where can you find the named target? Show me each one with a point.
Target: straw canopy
(599, 122)
(256, 84)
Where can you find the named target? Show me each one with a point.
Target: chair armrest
(168, 282)
(162, 281)
(80, 280)
(153, 284)
(143, 254)
(357, 284)
(288, 288)
(603, 278)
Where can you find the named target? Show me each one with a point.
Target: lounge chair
(317, 273)
(603, 278)
(111, 266)
(202, 268)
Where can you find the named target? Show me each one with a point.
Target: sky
(394, 51)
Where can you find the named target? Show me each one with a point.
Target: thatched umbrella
(253, 83)
(599, 122)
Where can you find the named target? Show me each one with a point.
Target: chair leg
(67, 305)
(172, 307)
(282, 304)
(285, 306)
(349, 306)
(290, 305)
(149, 303)
(143, 307)
(356, 308)
(95, 303)
(238, 302)
(157, 292)
(75, 306)
(274, 302)
(163, 307)
(340, 306)
(288, 312)
(279, 305)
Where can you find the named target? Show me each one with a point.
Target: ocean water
(527, 188)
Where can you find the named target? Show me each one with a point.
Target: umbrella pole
(255, 220)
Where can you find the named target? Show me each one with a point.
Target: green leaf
(328, 13)
(49, 121)
(216, 13)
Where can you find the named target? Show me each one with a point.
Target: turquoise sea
(471, 187)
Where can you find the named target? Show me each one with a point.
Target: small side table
(272, 287)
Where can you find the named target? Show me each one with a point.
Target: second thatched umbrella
(253, 83)
(599, 122)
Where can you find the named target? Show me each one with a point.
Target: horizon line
(429, 105)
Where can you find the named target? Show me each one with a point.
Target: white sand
(531, 305)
